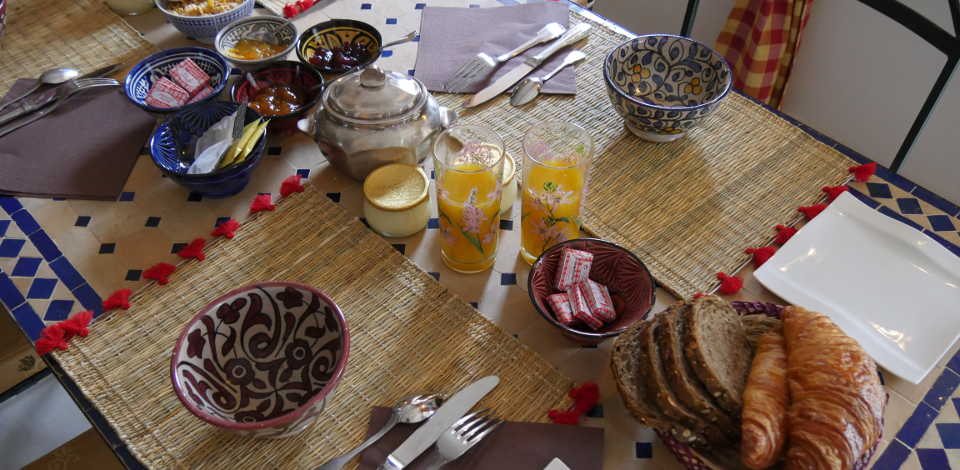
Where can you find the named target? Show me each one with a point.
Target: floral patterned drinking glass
(469, 171)
(556, 163)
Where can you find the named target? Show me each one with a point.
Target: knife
(572, 36)
(105, 71)
(452, 410)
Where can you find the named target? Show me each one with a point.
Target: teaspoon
(529, 88)
(50, 77)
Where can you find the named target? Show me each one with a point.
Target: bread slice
(659, 390)
(625, 364)
(681, 378)
(716, 347)
(757, 325)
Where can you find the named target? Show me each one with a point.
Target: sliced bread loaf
(717, 350)
(659, 390)
(625, 362)
(681, 378)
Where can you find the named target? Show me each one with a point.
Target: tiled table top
(58, 257)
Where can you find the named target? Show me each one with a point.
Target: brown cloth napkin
(449, 37)
(85, 149)
(526, 446)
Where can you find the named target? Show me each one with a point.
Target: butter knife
(104, 71)
(572, 36)
(428, 433)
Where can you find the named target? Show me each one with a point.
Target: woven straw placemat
(689, 208)
(83, 34)
(409, 335)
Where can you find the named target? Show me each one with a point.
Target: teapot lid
(374, 95)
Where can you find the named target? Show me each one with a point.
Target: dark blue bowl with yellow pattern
(172, 143)
(664, 84)
(338, 33)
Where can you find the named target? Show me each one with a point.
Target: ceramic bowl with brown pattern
(262, 360)
(628, 279)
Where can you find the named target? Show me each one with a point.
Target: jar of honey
(395, 200)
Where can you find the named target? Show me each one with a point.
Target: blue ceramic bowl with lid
(142, 76)
(182, 131)
(664, 84)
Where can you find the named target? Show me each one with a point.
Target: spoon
(50, 77)
(410, 410)
(409, 37)
(529, 88)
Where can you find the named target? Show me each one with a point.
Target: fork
(462, 436)
(63, 93)
(482, 64)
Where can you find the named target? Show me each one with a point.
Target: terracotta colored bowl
(262, 360)
(630, 283)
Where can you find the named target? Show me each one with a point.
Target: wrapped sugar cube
(598, 299)
(574, 267)
(560, 304)
(189, 76)
(203, 93)
(581, 311)
(166, 94)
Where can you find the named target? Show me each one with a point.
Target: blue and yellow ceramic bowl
(336, 33)
(663, 84)
(182, 131)
(262, 28)
(141, 76)
(204, 28)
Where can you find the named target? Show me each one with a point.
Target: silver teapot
(369, 118)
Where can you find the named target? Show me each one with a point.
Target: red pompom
(833, 191)
(160, 272)
(761, 255)
(698, 295)
(784, 234)
(227, 228)
(45, 345)
(55, 332)
(585, 397)
(193, 250)
(118, 299)
(863, 173)
(263, 202)
(812, 211)
(291, 185)
(291, 10)
(729, 284)
(77, 324)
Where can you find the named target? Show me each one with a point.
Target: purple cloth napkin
(449, 37)
(85, 149)
(526, 446)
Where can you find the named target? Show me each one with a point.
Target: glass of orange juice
(468, 161)
(556, 163)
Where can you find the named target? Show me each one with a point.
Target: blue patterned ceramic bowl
(335, 33)
(663, 84)
(263, 28)
(204, 28)
(182, 132)
(141, 76)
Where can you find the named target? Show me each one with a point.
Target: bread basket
(691, 458)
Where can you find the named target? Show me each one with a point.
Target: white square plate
(886, 284)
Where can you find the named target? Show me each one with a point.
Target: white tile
(36, 421)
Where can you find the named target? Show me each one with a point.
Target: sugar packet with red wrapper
(203, 93)
(189, 76)
(598, 299)
(574, 267)
(581, 311)
(166, 94)
(560, 304)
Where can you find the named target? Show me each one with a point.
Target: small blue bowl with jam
(182, 131)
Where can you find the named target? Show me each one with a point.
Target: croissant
(765, 402)
(836, 397)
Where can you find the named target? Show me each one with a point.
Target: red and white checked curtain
(760, 41)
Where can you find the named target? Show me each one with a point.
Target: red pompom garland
(263, 202)
(193, 250)
(291, 185)
(729, 285)
(834, 192)
(77, 324)
(585, 397)
(811, 211)
(227, 228)
(160, 272)
(118, 299)
(58, 335)
(784, 234)
(761, 254)
(863, 172)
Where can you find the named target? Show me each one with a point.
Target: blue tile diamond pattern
(909, 205)
(26, 267)
(941, 223)
(10, 248)
(879, 190)
(41, 288)
(58, 310)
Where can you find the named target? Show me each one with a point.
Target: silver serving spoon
(410, 410)
(50, 77)
(529, 88)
